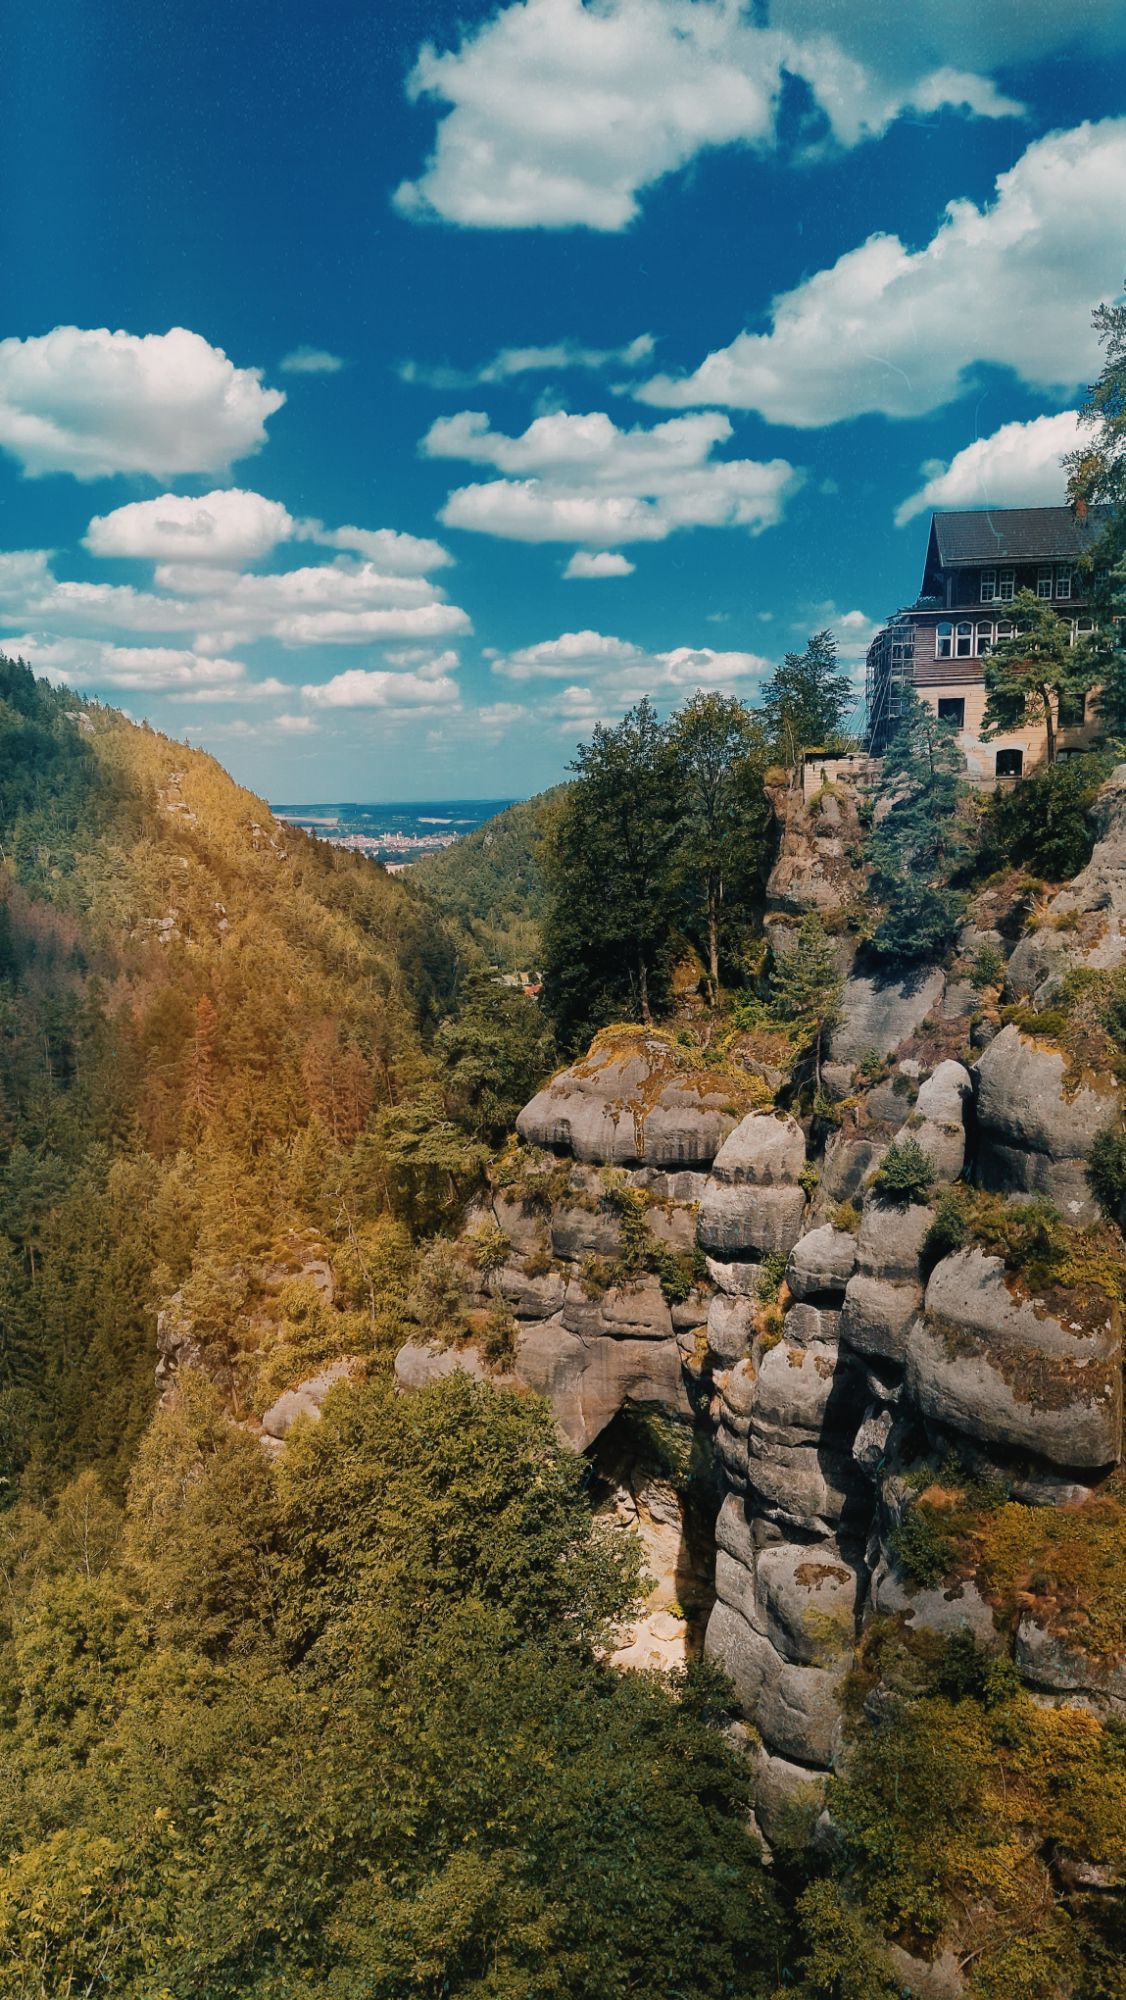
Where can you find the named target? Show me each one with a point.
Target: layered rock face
(736, 1269)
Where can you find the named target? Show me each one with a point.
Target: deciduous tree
(1030, 677)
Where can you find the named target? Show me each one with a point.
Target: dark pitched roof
(1016, 534)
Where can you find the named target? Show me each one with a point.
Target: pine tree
(806, 986)
(1029, 676)
(917, 840)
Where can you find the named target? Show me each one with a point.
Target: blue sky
(388, 393)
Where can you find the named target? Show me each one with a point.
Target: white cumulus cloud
(605, 673)
(229, 526)
(164, 669)
(559, 114)
(512, 362)
(401, 555)
(591, 564)
(897, 331)
(588, 481)
(337, 603)
(376, 687)
(1018, 466)
(91, 402)
(310, 361)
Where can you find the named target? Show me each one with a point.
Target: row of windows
(1052, 580)
(967, 641)
(1072, 713)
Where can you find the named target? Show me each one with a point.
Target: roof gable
(1011, 534)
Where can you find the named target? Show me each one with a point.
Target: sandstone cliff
(848, 1364)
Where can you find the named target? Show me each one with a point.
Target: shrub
(922, 1547)
(1106, 1169)
(988, 968)
(771, 1273)
(948, 1230)
(905, 1173)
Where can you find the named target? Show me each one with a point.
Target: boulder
(673, 1224)
(877, 1315)
(734, 1536)
(764, 1150)
(798, 1486)
(687, 1314)
(795, 1709)
(419, 1363)
(879, 1013)
(821, 1263)
(805, 1324)
(788, 1801)
(1049, 1664)
(944, 1146)
(308, 1397)
(684, 1186)
(635, 1100)
(636, 1311)
(1004, 1369)
(794, 1389)
(1035, 1131)
(584, 1232)
(806, 1598)
(947, 1612)
(848, 1164)
(738, 1219)
(531, 1297)
(587, 1381)
(738, 1279)
(891, 1240)
(731, 1326)
(886, 1105)
(524, 1224)
(870, 1444)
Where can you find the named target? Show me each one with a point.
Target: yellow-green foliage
(953, 1814)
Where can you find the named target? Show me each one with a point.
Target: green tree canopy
(1029, 677)
(719, 751)
(807, 699)
(806, 985)
(917, 841)
(609, 857)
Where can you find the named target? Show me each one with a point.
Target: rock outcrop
(647, 1231)
(1036, 1128)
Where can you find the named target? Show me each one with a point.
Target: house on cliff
(976, 563)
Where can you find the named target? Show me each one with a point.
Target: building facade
(976, 563)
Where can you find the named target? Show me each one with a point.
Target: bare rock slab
(879, 1013)
(1004, 1369)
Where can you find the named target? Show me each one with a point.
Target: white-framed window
(964, 639)
(1044, 580)
(984, 637)
(1081, 628)
(1004, 630)
(988, 585)
(943, 641)
(1006, 585)
(1063, 580)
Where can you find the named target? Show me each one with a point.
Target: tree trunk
(643, 988)
(713, 950)
(1049, 725)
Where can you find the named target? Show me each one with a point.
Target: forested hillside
(492, 882)
(333, 1719)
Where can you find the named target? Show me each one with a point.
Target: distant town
(396, 834)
